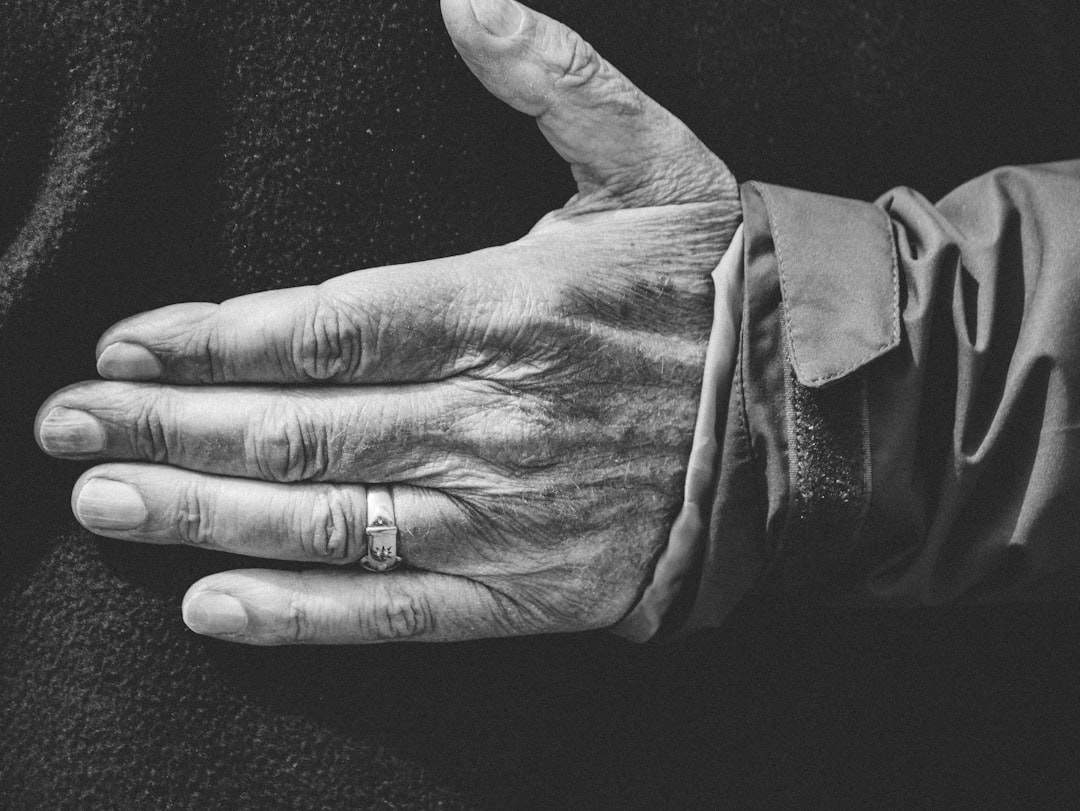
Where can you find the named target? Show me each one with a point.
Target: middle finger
(429, 433)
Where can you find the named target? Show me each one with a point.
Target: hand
(532, 404)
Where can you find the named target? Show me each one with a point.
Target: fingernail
(106, 504)
(500, 17)
(123, 361)
(68, 430)
(212, 613)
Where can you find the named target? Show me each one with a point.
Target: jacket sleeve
(904, 421)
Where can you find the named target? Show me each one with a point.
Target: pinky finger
(268, 607)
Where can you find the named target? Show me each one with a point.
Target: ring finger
(321, 523)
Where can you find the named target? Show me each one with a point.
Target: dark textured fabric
(162, 150)
(830, 482)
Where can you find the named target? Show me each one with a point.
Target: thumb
(623, 146)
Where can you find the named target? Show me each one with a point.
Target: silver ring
(382, 532)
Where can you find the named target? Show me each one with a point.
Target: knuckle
(505, 426)
(194, 516)
(327, 344)
(298, 619)
(563, 598)
(286, 444)
(511, 615)
(152, 440)
(207, 348)
(328, 528)
(399, 615)
(519, 436)
(580, 66)
(579, 61)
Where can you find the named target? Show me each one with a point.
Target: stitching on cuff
(884, 224)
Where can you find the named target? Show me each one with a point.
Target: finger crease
(191, 520)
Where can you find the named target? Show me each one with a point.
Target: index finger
(415, 323)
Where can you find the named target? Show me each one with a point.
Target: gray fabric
(942, 468)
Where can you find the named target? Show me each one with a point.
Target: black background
(159, 151)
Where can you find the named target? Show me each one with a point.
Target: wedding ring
(382, 532)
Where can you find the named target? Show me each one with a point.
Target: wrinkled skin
(532, 404)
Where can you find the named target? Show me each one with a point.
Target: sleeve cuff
(821, 303)
(778, 483)
(681, 558)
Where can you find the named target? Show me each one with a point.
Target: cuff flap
(838, 277)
